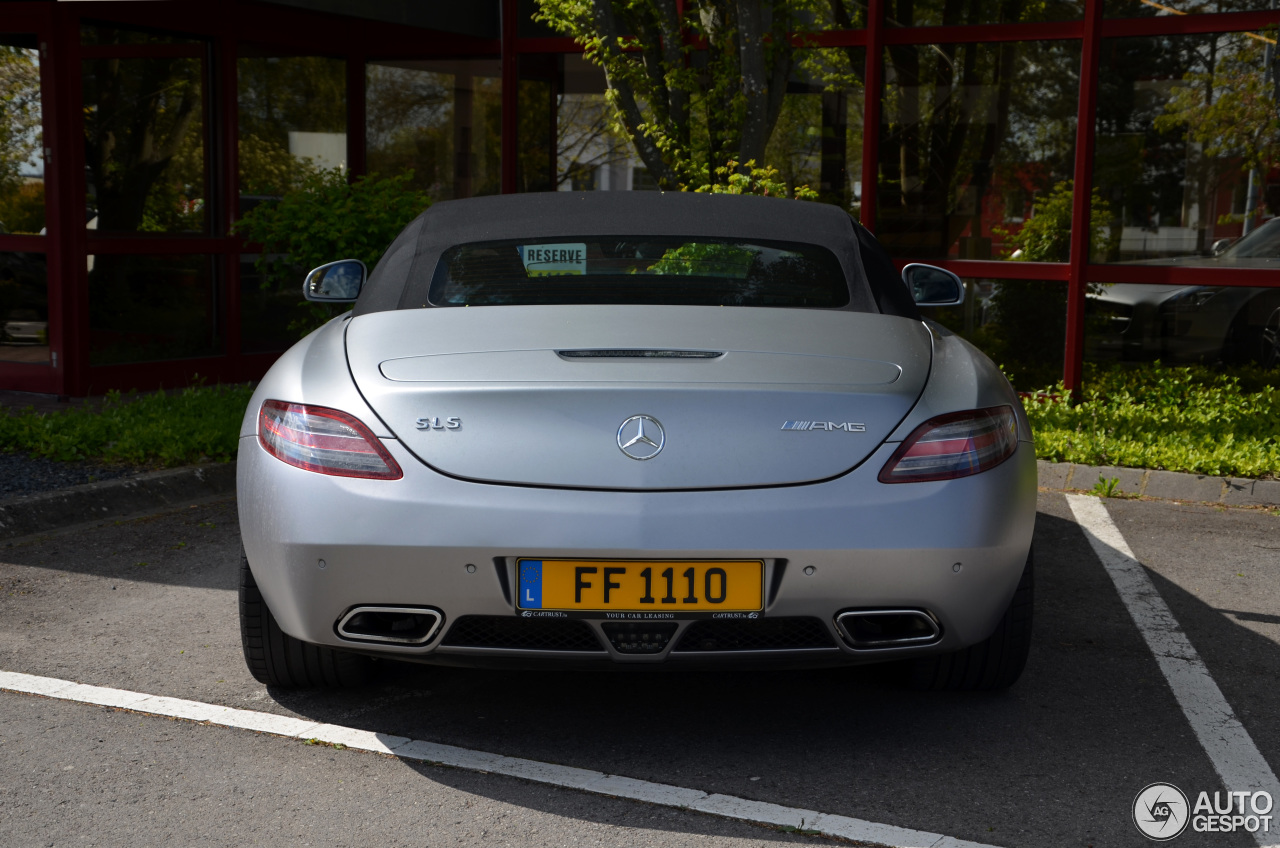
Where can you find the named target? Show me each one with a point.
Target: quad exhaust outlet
(888, 628)
(391, 625)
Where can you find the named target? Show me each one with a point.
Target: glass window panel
(1020, 324)
(24, 308)
(1166, 8)
(21, 138)
(817, 140)
(144, 308)
(972, 137)
(1130, 322)
(440, 119)
(293, 122)
(907, 13)
(268, 308)
(1186, 149)
(144, 145)
(540, 88)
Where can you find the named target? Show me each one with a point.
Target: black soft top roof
(403, 275)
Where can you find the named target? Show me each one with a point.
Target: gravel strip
(23, 474)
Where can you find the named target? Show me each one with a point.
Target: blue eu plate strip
(531, 584)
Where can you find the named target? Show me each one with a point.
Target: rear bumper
(410, 542)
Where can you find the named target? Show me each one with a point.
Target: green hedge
(199, 424)
(1179, 419)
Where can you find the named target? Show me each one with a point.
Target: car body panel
(408, 542)
(529, 416)
(961, 377)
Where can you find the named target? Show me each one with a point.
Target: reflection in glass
(152, 307)
(293, 122)
(267, 307)
(946, 13)
(21, 159)
(336, 281)
(1207, 324)
(972, 136)
(24, 308)
(1020, 324)
(440, 119)
(1168, 8)
(1187, 143)
(817, 140)
(144, 144)
(567, 137)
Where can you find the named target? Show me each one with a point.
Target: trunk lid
(539, 395)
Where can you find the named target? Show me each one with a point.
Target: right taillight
(954, 445)
(323, 440)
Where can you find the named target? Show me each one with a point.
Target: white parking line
(1236, 759)
(598, 783)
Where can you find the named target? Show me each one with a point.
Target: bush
(198, 424)
(323, 220)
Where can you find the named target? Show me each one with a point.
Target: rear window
(639, 270)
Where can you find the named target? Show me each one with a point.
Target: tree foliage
(1230, 109)
(1046, 236)
(688, 111)
(144, 143)
(20, 136)
(326, 219)
(21, 203)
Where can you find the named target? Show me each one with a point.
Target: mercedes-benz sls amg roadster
(635, 429)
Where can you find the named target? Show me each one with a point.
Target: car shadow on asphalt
(1090, 723)
(196, 546)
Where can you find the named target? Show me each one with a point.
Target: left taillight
(955, 445)
(323, 440)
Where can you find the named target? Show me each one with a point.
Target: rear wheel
(1269, 341)
(277, 659)
(994, 663)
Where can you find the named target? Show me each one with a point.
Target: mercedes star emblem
(641, 437)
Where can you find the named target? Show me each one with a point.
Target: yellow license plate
(660, 586)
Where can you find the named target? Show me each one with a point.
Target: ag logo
(1160, 811)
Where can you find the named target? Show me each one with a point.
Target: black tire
(1268, 350)
(277, 659)
(991, 665)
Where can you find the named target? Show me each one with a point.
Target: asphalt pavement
(149, 605)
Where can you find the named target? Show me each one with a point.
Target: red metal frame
(22, 376)
(67, 242)
(873, 94)
(1168, 275)
(1077, 280)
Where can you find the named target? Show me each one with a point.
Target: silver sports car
(635, 428)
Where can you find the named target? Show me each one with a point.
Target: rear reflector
(954, 445)
(323, 440)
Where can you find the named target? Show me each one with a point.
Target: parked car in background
(1229, 324)
(24, 327)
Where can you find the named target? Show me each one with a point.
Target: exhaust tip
(390, 625)
(889, 628)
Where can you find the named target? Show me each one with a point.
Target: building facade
(134, 135)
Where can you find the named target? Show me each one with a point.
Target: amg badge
(847, 426)
(438, 423)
